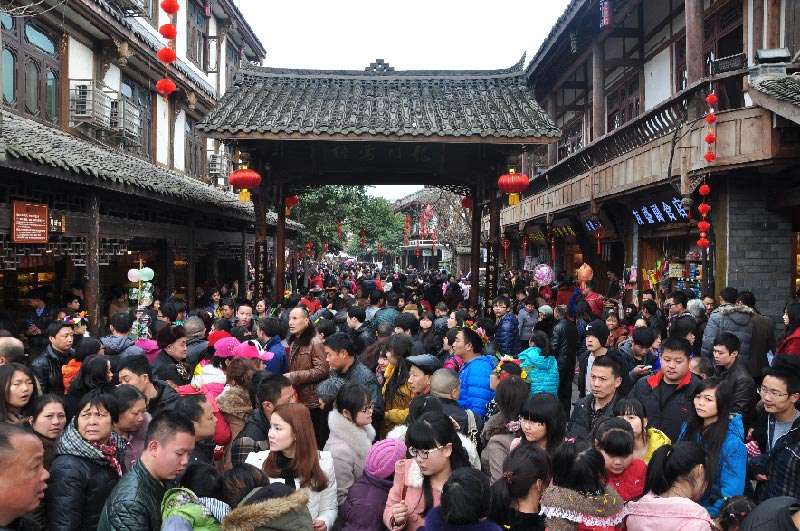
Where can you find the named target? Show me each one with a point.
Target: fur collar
(727, 309)
(414, 477)
(607, 509)
(249, 517)
(235, 401)
(360, 439)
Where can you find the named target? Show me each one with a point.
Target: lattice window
(197, 33)
(623, 103)
(194, 149)
(143, 98)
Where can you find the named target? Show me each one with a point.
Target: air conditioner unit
(222, 182)
(82, 101)
(215, 165)
(132, 127)
(115, 120)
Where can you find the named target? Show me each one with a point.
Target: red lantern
(423, 228)
(710, 156)
(704, 189)
(513, 184)
(711, 99)
(433, 245)
(165, 87)
(291, 202)
(710, 138)
(704, 226)
(244, 179)
(704, 209)
(703, 243)
(408, 220)
(525, 245)
(505, 243)
(170, 7)
(326, 247)
(467, 202)
(167, 55)
(711, 118)
(338, 229)
(418, 253)
(600, 233)
(168, 31)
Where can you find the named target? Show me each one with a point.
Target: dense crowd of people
(372, 401)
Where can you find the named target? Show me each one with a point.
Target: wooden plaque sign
(29, 223)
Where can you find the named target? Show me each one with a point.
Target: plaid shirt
(784, 465)
(252, 438)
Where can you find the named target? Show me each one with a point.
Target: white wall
(81, 60)
(162, 130)
(179, 141)
(657, 79)
(113, 77)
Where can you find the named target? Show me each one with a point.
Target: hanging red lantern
(418, 253)
(165, 87)
(291, 202)
(467, 202)
(599, 234)
(551, 237)
(711, 99)
(244, 179)
(505, 243)
(423, 231)
(167, 55)
(513, 184)
(710, 156)
(338, 229)
(704, 189)
(326, 247)
(704, 226)
(433, 245)
(704, 209)
(703, 243)
(710, 138)
(408, 220)
(168, 31)
(170, 7)
(524, 245)
(711, 118)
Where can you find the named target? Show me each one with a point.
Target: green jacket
(185, 504)
(133, 504)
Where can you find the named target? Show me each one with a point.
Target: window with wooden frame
(623, 103)
(31, 69)
(136, 93)
(571, 138)
(193, 149)
(196, 33)
(232, 57)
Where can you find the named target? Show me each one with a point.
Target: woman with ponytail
(516, 495)
(677, 477)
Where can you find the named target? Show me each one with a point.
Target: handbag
(472, 428)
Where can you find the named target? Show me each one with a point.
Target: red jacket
(790, 345)
(564, 294)
(629, 484)
(595, 302)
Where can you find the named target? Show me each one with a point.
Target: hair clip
(570, 440)
(509, 476)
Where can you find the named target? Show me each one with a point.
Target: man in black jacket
(47, 367)
(729, 367)
(136, 371)
(564, 343)
(605, 380)
(361, 331)
(668, 395)
(199, 410)
(345, 365)
(272, 391)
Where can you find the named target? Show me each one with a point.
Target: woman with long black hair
(790, 344)
(721, 434)
(397, 393)
(516, 493)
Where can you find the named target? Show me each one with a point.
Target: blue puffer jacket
(475, 390)
(506, 336)
(542, 370)
(732, 467)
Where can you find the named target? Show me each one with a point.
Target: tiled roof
(32, 141)
(784, 88)
(380, 102)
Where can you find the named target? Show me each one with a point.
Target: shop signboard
(58, 223)
(29, 223)
(660, 212)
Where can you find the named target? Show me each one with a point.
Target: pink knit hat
(223, 348)
(382, 457)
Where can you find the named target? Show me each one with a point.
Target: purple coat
(363, 508)
(434, 522)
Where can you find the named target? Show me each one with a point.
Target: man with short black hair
(376, 298)
(476, 390)
(38, 319)
(228, 310)
(676, 305)
(506, 335)
(702, 367)
(199, 410)
(47, 367)
(640, 359)
(117, 344)
(244, 320)
(136, 371)
(730, 317)
(387, 314)
(668, 394)
(406, 323)
(564, 344)
(23, 477)
(763, 338)
(339, 353)
(269, 335)
(730, 368)
(271, 392)
(360, 330)
(605, 380)
(12, 350)
(135, 502)
(196, 342)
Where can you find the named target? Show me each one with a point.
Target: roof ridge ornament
(520, 64)
(379, 67)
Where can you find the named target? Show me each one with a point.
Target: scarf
(109, 452)
(288, 473)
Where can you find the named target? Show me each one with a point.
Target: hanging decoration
(244, 179)
(606, 14)
(551, 237)
(380, 248)
(407, 227)
(310, 249)
(433, 245)
(599, 234)
(291, 202)
(423, 230)
(326, 247)
(505, 243)
(468, 203)
(524, 245)
(513, 184)
(418, 252)
(705, 190)
(167, 55)
(339, 229)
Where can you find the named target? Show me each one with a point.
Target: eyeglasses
(774, 394)
(367, 408)
(528, 422)
(413, 452)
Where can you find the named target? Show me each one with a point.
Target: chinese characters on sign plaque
(29, 222)
(662, 212)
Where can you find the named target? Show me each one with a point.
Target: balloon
(147, 274)
(585, 272)
(543, 274)
(133, 275)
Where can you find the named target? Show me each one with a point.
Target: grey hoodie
(734, 318)
(117, 347)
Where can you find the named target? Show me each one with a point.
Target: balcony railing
(102, 109)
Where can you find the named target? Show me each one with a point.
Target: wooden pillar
(260, 247)
(773, 24)
(243, 274)
(598, 89)
(280, 245)
(93, 267)
(169, 268)
(475, 248)
(552, 148)
(695, 60)
(758, 25)
(492, 246)
(191, 258)
(212, 263)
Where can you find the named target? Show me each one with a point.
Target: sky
(408, 34)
